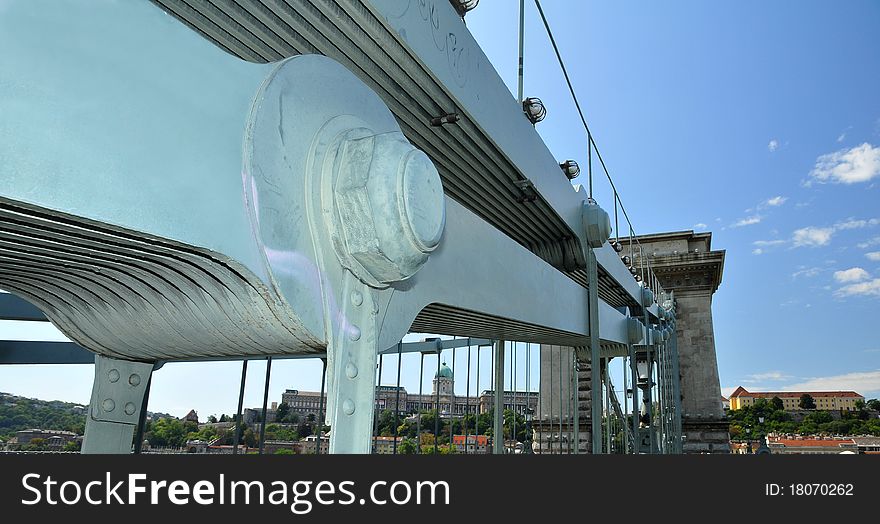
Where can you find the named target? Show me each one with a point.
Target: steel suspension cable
(397, 399)
(265, 403)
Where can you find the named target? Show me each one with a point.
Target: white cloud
(841, 137)
(748, 221)
(868, 243)
(864, 382)
(848, 166)
(755, 216)
(771, 375)
(812, 236)
(773, 145)
(867, 288)
(757, 251)
(854, 274)
(821, 236)
(856, 224)
(873, 256)
(700, 226)
(806, 272)
(775, 201)
(767, 243)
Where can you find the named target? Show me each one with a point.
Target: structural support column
(352, 365)
(116, 404)
(595, 371)
(686, 266)
(498, 429)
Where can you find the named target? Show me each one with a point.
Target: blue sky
(757, 121)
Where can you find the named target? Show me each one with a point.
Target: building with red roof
(825, 400)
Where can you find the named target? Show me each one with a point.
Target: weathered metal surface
(420, 58)
(116, 405)
(164, 200)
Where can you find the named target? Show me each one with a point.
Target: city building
(385, 445)
(54, 439)
(477, 444)
(797, 445)
(310, 443)
(868, 445)
(305, 403)
(825, 400)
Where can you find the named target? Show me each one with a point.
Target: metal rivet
(355, 333)
(134, 379)
(113, 375)
(357, 298)
(348, 406)
(129, 409)
(108, 404)
(351, 371)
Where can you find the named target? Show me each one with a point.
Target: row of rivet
(134, 380)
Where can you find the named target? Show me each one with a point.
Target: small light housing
(534, 109)
(571, 169)
(463, 6)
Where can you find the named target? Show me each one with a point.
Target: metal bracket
(116, 404)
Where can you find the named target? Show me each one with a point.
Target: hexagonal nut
(597, 224)
(390, 204)
(647, 297)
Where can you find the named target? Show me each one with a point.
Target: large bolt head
(391, 208)
(647, 297)
(635, 330)
(597, 224)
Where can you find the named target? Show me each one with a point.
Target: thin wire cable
(421, 405)
(590, 140)
(514, 403)
(560, 398)
(568, 414)
(452, 401)
(477, 408)
(321, 415)
(397, 398)
(529, 412)
(467, 396)
(376, 402)
(265, 403)
(437, 403)
(244, 364)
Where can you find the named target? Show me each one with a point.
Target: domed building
(388, 397)
(444, 381)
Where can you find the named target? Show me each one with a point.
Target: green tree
(304, 429)
(873, 404)
(282, 412)
(407, 446)
(777, 403)
(249, 438)
(807, 402)
(385, 423)
(819, 417)
(212, 419)
(36, 444)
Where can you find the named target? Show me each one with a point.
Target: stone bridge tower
(686, 265)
